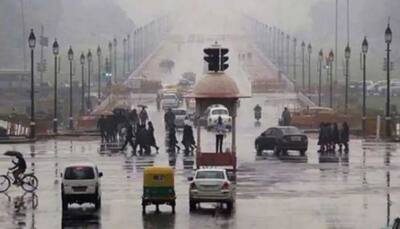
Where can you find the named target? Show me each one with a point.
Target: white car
(211, 185)
(218, 111)
(81, 184)
(169, 101)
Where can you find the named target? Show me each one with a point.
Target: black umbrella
(142, 106)
(13, 154)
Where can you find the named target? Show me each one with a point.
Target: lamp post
(331, 58)
(128, 53)
(273, 43)
(303, 46)
(89, 59)
(287, 53)
(388, 40)
(115, 59)
(347, 52)
(82, 60)
(99, 73)
(123, 57)
(55, 52)
(294, 63)
(32, 44)
(282, 41)
(110, 58)
(364, 48)
(70, 58)
(309, 49)
(320, 59)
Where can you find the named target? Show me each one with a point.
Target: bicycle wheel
(29, 183)
(5, 183)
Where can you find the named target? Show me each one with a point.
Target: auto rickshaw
(158, 187)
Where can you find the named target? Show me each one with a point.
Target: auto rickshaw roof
(216, 85)
(158, 170)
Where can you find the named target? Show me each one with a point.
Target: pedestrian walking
(345, 137)
(101, 126)
(172, 141)
(188, 139)
(335, 136)
(143, 116)
(169, 119)
(140, 138)
(152, 139)
(321, 137)
(134, 118)
(129, 138)
(219, 135)
(286, 117)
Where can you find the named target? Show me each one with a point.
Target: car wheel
(97, 203)
(192, 205)
(277, 150)
(259, 150)
(302, 152)
(64, 204)
(229, 206)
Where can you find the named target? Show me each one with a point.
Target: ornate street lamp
(347, 52)
(89, 59)
(124, 57)
(32, 44)
(364, 48)
(309, 50)
(320, 59)
(82, 61)
(303, 46)
(99, 73)
(70, 58)
(55, 53)
(331, 58)
(294, 63)
(115, 59)
(388, 40)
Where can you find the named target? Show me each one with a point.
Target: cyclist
(19, 168)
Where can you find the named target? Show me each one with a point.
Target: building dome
(216, 85)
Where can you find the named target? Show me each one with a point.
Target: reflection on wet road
(358, 190)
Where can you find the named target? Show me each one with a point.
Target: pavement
(271, 193)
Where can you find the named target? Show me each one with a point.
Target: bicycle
(28, 182)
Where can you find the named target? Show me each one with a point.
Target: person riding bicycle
(19, 168)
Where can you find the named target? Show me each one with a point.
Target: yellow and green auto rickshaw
(158, 187)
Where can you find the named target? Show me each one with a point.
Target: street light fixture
(82, 61)
(347, 52)
(110, 59)
(364, 48)
(89, 59)
(309, 49)
(99, 73)
(123, 57)
(294, 64)
(331, 58)
(388, 40)
(115, 59)
(55, 53)
(320, 59)
(70, 58)
(303, 46)
(32, 44)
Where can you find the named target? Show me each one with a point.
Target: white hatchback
(214, 113)
(211, 185)
(81, 184)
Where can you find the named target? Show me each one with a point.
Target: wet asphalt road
(358, 191)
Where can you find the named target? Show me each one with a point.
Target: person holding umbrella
(19, 165)
(143, 116)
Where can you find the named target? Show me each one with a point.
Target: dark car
(281, 139)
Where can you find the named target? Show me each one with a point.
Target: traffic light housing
(223, 65)
(212, 59)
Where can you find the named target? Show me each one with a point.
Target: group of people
(110, 126)
(330, 135)
(142, 136)
(187, 139)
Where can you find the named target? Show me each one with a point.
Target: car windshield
(210, 175)
(219, 112)
(290, 130)
(169, 97)
(179, 112)
(79, 173)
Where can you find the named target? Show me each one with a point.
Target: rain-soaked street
(358, 191)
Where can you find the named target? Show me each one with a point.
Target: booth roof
(216, 85)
